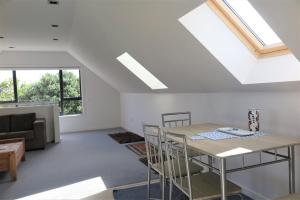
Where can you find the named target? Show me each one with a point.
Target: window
(7, 86)
(55, 86)
(38, 86)
(242, 18)
(71, 92)
(141, 72)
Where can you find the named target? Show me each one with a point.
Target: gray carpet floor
(79, 156)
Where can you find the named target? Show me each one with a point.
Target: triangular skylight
(222, 31)
(253, 21)
(141, 72)
(249, 26)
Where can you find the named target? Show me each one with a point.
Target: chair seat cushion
(207, 186)
(194, 169)
(290, 197)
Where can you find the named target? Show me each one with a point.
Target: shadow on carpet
(140, 192)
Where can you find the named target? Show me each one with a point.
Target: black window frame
(61, 87)
(62, 97)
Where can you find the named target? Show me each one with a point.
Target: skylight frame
(244, 33)
(141, 72)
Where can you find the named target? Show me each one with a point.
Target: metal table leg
(223, 178)
(209, 163)
(291, 154)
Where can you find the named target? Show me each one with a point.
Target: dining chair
(199, 186)
(176, 119)
(180, 119)
(156, 158)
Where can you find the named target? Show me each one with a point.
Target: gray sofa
(24, 126)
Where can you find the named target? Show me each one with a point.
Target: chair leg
(163, 187)
(241, 196)
(149, 181)
(170, 189)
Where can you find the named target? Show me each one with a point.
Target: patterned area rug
(126, 137)
(138, 148)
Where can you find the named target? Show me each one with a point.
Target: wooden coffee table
(12, 152)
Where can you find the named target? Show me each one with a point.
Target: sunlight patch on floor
(77, 190)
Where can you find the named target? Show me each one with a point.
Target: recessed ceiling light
(53, 2)
(54, 25)
(55, 39)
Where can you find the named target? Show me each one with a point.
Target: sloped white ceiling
(150, 31)
(26, 25)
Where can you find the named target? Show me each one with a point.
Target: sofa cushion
(28, 135)
(4, 124)
(22, 122)
(3, 134)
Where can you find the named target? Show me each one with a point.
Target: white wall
(101, 106)
(101, 103)
(280, 113)
(139, 108)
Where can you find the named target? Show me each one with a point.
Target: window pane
(72, 107)
(6, 86)
(71, 83)
(38, 86)
(254, 22)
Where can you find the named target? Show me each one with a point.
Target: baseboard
(91, 130)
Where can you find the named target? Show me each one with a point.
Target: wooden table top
(10, 147)
(234, 146)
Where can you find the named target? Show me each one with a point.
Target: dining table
(281, 147)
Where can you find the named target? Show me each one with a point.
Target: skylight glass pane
(141, 72)
(254, 22)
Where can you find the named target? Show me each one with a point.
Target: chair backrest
(176, 152)
(176, 119)
(153, 142)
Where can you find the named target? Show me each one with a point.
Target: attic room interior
(144, 99)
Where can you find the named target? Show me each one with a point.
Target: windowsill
(24, 105)
(73, 115)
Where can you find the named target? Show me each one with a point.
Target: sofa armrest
(39, 125)
(39, 129)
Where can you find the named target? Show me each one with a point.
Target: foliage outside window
(55, 86)
(6, 86)
(71, 92)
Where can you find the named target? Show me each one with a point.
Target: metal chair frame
(174, 152)
(178, 121)
(153, 142)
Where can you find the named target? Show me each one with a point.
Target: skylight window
(141, 72)
(253, 21)
(249, 26)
